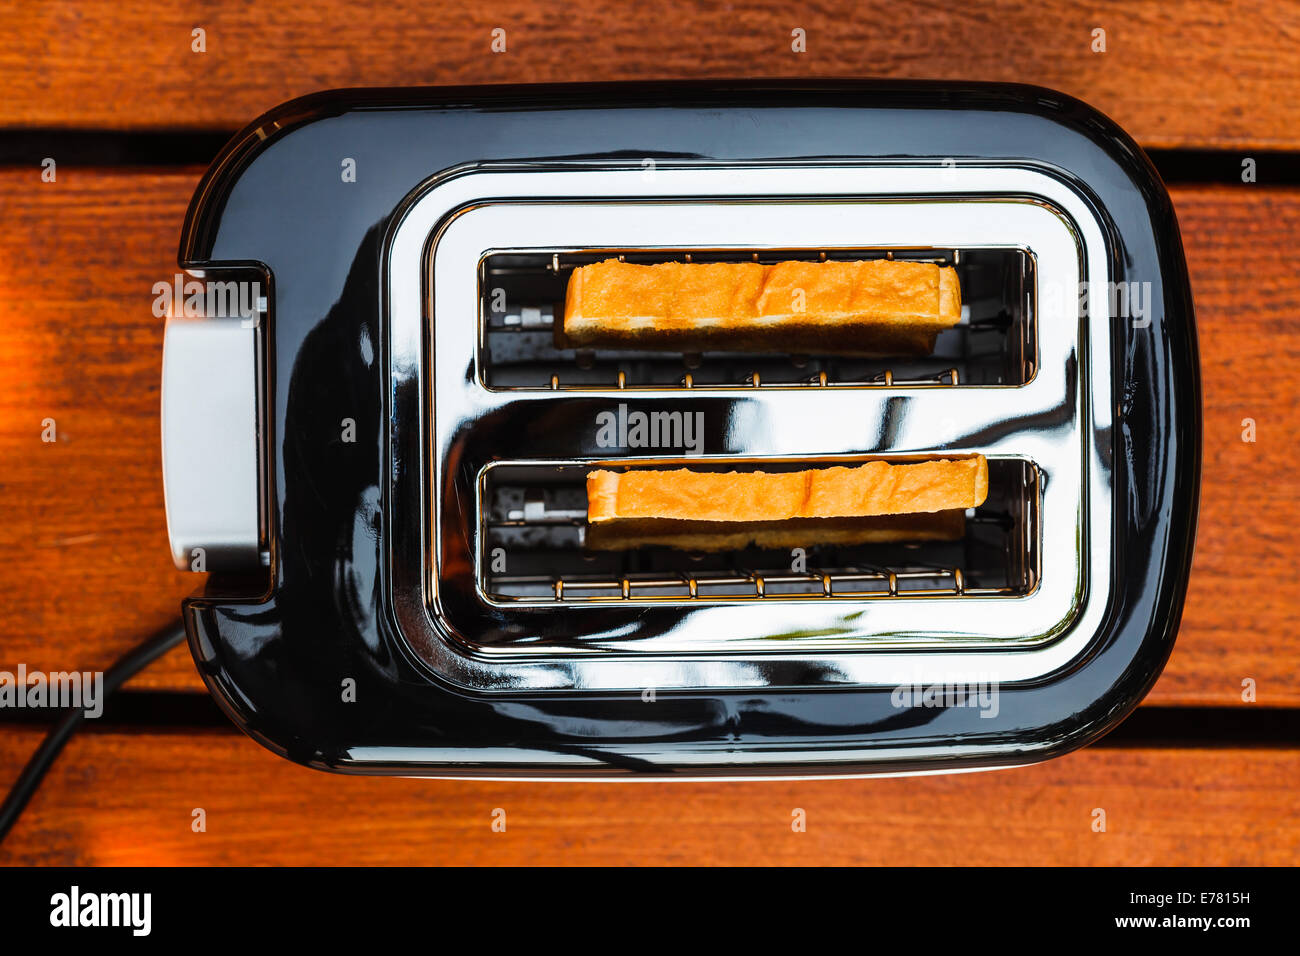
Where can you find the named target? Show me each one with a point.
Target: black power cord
(127, 667)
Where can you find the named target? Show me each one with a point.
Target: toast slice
(715, 511)
(867, 307)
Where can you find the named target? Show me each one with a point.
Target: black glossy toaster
(377, 444)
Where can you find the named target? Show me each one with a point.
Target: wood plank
(1242, 618)
(83, 553)
(129, 799)
(84, 562)
(1198, 73)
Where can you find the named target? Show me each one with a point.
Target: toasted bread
(866, 307)
(875, 501)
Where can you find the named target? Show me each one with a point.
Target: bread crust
(865, 307)
(797, 532)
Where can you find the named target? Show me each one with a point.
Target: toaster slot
(534, 523)
(522, 298)
(511, 590)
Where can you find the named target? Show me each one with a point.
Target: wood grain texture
(121, 800)
(84, 563)
(1242, 618)
(1198, 73)
(85, 568)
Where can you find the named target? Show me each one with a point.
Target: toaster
(376, 445)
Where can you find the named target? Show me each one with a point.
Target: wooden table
(1206, 777)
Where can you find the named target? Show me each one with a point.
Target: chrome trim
(470, 762)
(1061, 419)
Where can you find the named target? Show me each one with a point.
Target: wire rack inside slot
(535, 535)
